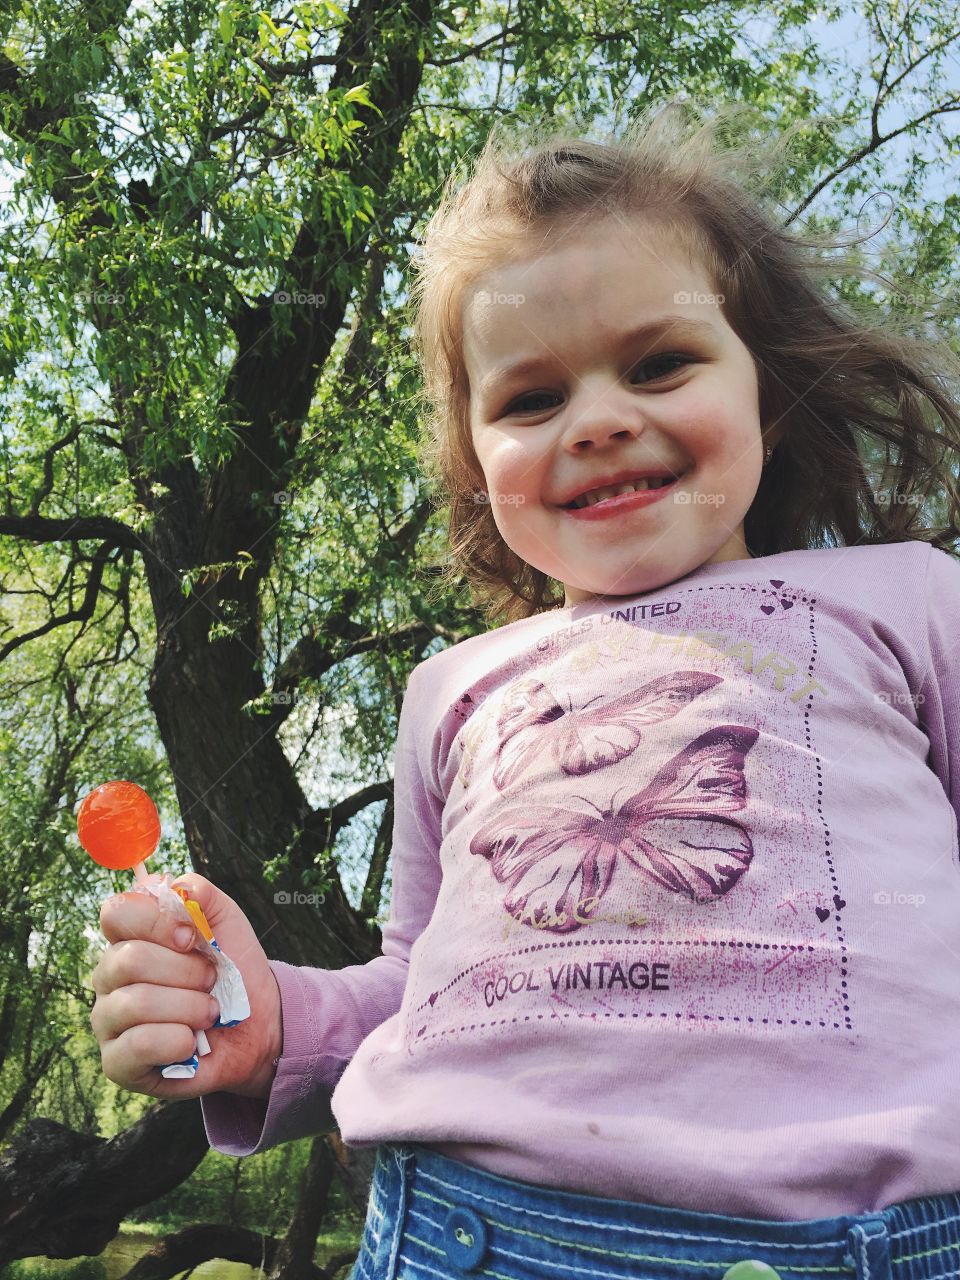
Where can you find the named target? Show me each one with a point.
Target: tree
(207, 440)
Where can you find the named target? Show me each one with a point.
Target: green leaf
(358, 94)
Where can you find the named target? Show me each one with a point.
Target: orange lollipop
(118, 826)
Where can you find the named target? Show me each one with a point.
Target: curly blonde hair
(843, 390)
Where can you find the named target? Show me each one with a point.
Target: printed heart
(776, 582)
(838, 902)
(787, 604)
(822, 913)
(433, 996)
(766, 608)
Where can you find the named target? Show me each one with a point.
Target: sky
(849, 38)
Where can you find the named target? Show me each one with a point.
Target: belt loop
(403, 1156)
(868, 1247)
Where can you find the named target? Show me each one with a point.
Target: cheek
(721, 429)
(510, 467)
(508, 511)
(487, 482)
(703, 417)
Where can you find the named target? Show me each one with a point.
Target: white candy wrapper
(228, 990)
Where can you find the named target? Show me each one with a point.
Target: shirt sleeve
(939, 705)
(328, 1013)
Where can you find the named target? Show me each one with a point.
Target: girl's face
(596, 404)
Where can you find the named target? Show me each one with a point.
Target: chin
(622, 588)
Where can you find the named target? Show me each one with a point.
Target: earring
(767, 453)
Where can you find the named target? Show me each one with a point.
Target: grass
(344, 1236)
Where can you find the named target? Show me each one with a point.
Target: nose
(598, 415)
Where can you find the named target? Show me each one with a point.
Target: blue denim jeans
(429, 1217)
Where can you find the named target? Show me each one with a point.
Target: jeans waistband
(430, 1216)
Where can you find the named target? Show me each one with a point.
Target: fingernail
(183, 935)
(214, 1011)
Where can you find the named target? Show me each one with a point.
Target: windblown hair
(842, 389)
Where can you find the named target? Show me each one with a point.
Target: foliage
(208, 412)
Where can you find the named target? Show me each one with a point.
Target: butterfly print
(677, 833)
(533, 721)
(470, 739)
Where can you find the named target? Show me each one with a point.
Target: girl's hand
(152, 996)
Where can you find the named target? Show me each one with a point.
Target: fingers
(152, 993)
(141, 1027)
(138, 915)
(134, 1058)
(142, 1004)
(134, 960)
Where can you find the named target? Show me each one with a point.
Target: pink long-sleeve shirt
(676, 901)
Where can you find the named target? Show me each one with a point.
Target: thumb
(230, 926)
(213, 902)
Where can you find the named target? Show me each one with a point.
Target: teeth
(633, 486)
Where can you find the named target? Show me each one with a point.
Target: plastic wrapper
(228, 990)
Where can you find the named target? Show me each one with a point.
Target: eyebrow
(649, 329)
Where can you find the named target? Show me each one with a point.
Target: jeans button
(465, 1238)
(750, 1270)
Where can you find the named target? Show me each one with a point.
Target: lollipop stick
(140, 873)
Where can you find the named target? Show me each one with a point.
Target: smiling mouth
(593, 496)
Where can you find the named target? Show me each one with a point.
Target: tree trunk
(240, 799)
(64, 1193)
(188, 1248)
(294, 1258)
(355, 1169)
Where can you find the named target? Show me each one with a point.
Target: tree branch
(311, 658)
(952, 104)
(325, 824)
(475, 49)
(277, 70)
(34, 528)
(47, 487)
(83, 614)
(72, 1190)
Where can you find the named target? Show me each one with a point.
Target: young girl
(671, 982)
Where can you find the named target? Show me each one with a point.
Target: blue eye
(517, 405)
